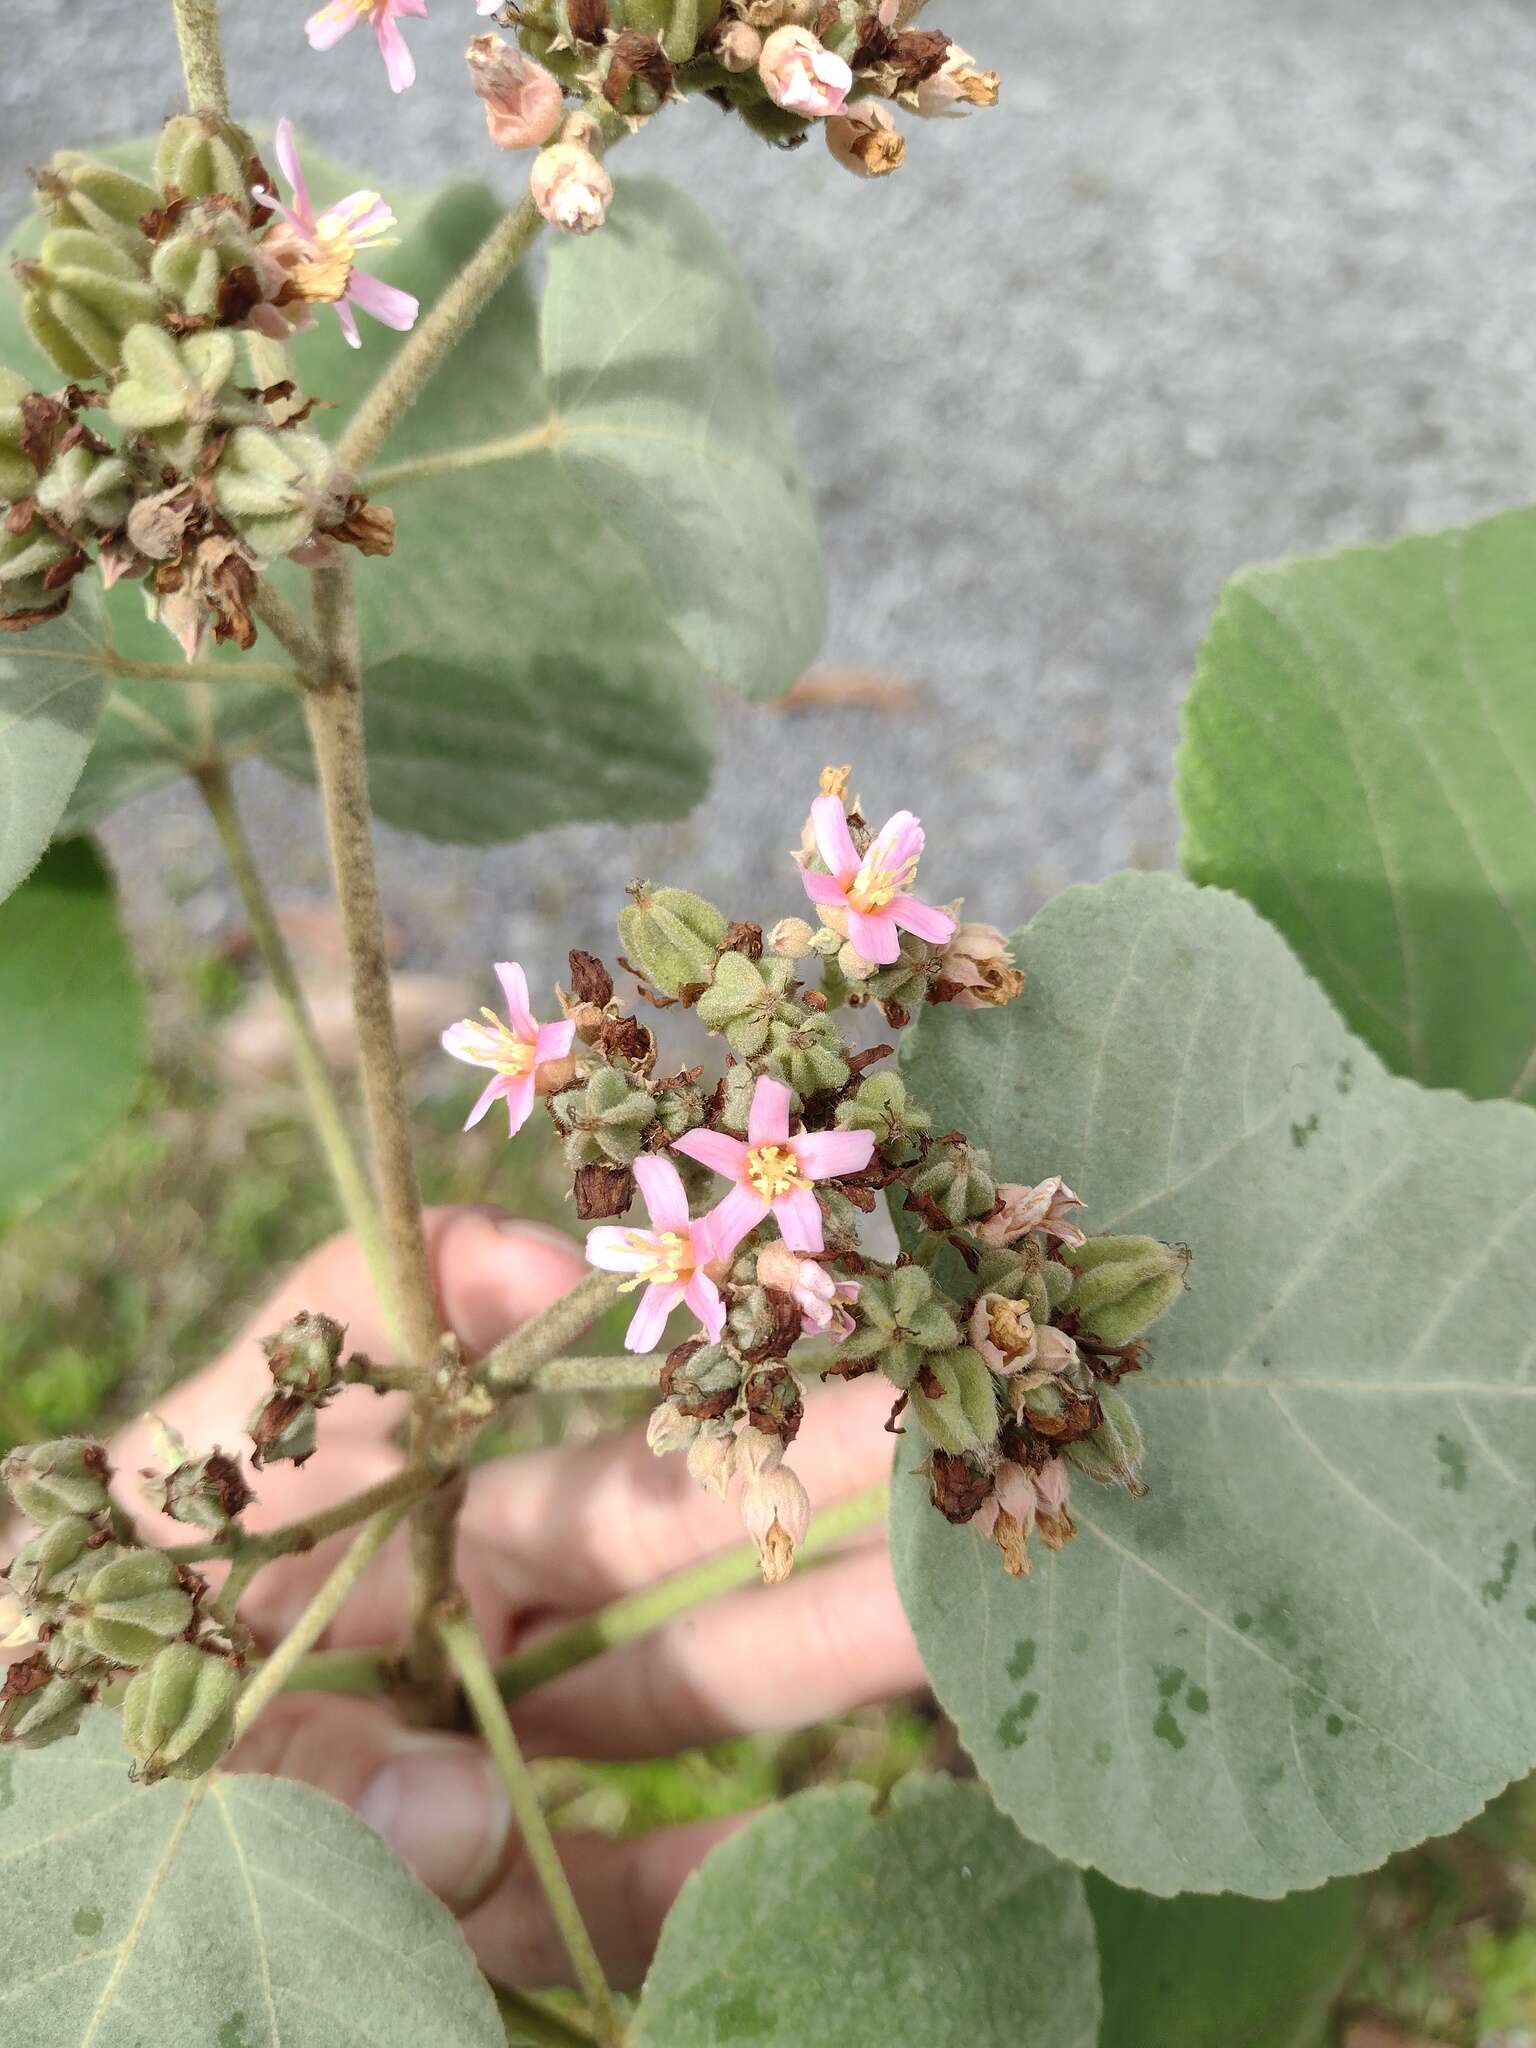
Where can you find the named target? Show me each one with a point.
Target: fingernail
(440, 1807)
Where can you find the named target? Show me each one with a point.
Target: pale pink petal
(521, 1096)
(619, 1250)
(287, 152)
(731, 1220)
(834, 842)
(823, 888)
(487, 6)
(662, 1186)
(841, 1326)
(364, 214)
(898, 843)
(383, 302)
(650, 1318)
(921, 919)
(875, 937)
(514, 989)
(703, 1297)
(464, 1041)
(399, 64)
(768, 1118)
(798, 1215)
(411, 6)
(553, 1042)
(493, 1093)
(714, 1150)
(825, 1154)
(327, 28)
(348, 319)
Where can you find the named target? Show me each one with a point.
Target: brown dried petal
(590, 980)
(368, 528)
(603, 1191)
(588, 19)
(959, 1489)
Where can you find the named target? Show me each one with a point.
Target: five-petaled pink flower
(514, 1054)
(873, 893)
(773, 1171)
(668, 1261)
(312, 258)
(341, 16)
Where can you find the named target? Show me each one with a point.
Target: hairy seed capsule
(179, 1713)
(131, 1608)
(1123, 1284)
(66, 1477)
(672, 937)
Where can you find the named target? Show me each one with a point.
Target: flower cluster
(166, 453)
(1003, 1329)
(102, 1611)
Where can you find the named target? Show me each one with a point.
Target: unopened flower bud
(1113, 1454)
(669, 1429)
(524, 103)
(738, 46)
(776, 1511)
(672, 937)
(956, 87)
(206, 1493)
(791, 937)
(710, 1457)
(1124, 1284)
(66, 1477)
(131, 1608)
(801, 75)
(953, 1401)
(304, 1354)
(37, 1707)
(179, 1713)
(957, 1179)
(866, 140)
(570, 188)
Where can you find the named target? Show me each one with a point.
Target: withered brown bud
(959, 1489)
(774, 1402)
(603, 1190)
(640, 58)
(368, 528)
(917, 53)
(745, 938)
(626, 1038)
(590, 980)
(588, 19)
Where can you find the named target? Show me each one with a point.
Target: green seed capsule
(605, 1121)
(52, 336)
(179, 1713)
(274, 489)
(47, 1714)
(88, 493)
(18, 478)
(742, 1000)
(1113, 1454)
(76, 191)
(200, 154)
(958, 1180)
(805, 1053)
(961, 1416)
(1123, 1284)
(52, 1562)
(672, 937)
(48, 1481)
(131, 1608)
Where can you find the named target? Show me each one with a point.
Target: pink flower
(312, 257)
(817, 1295)
(872, 893)
(1023, 1209)
(514, 1055)
(773, 1171)
(801, 74)
(342, 16)
(668, 1262)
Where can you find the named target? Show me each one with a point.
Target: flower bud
(672, 937)
(866, 140)
(955, 88)
(304, 1355)
(37, 1707)
(953, 1400)
(276, 488)
(1051, 1518)
(776, 1511)
(976, 969)
(791, 937)
(669, 1429)
(200, 154)
(882, 1105)
(207, 1493)
(801, 75)
(957, 1179)
(570, 188)
(902, 1318)
(52, 1562)
(524, 103)
(76, 192)
(1124, 1284)
(282, 1431)
(131, 1608)
(742, 1000)
(179, 1713)
(806, 1054)
(49, 1481)
(87, 492)
(605, 1121)
(1113, 1454)
(738, 46)
(710, 1457)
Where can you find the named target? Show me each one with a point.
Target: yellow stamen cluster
(669, 1259)
(501, 1049)
(773, 1170)
(874, 887)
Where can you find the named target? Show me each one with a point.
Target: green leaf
(1314, 1642)
(52, 688)
(1360, 763)
(930, 1922)
(1223, 1972)
(241, 1912)
(74, 1022)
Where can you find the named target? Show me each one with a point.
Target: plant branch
(435, 335)
(510, 1367)
(321, 1098)
(528, 2020)
(311, 1624)
(202, 55)
(461, 1640)
(289, 630)
(290, 1539)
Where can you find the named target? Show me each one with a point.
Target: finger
(438, 1803)
(765, 1660)
(491, 1272)
(573, 1527)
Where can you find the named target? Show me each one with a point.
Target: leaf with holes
(930, 1922)
(1222, 1973)
(1314, 1642)
(52, 687)
(233, 1913)
(1359, 761)
(74, 1022)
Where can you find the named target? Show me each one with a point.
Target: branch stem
(321, 1097)
(528, 2019)
(510, 1367)
(202, 55)
(466, 1651)
(289, 630)
(290, 1539)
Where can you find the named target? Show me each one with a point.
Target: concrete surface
(1219, 280)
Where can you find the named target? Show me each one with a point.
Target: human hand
(544, 1539)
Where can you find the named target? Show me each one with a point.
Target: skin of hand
(545, 1539)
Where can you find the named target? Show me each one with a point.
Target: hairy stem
(640, 1614)
(461, 1639)
(433, 337)
(289, 630)
(529, 2019)
(291, 1539)
(312, 1623)
(321, 1098)
(202, 55)
(510, 1367)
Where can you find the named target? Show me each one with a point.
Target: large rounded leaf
(1360, 762)
(73, 1022)
(1314, 1642)
(930, 1923)
(53, 683)
(233, 1913)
